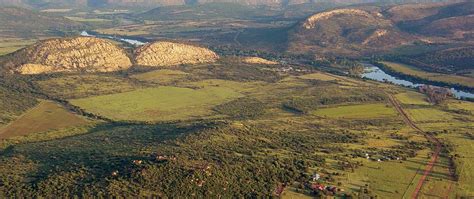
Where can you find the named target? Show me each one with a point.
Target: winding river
(371, 72)
(129, 40)
(375, 73)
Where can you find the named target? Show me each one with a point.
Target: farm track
(431, 138)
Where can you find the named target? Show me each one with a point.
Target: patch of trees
(236, 72)
(451, 60)
(16, 96)
(209, 160)
(242, 108)
(305, 105)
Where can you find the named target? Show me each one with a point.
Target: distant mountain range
(147, 3)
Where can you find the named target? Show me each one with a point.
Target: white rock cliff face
(71, 54)
(162, 54)
(258, 60)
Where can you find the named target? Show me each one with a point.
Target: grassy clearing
(319, 76)
(127, 31)
(45, 116)
(161, 76)
(424, 115)
(412, 98)
(81, 19)
(57, 10)
(438, 181)
(357, 111)
(465, 162)
(11, 45)
(158, 104)
(80, 86)
(409, 70)
(242, 87)
(389, 179)
(461, 105)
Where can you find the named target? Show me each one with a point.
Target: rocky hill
(364, 30)
(69, 54)
(350, 31)
(169, 54)
(448, 20)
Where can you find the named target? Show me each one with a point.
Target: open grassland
(249, 142)
(390, 179)
(158, 104)
(161, 76)
(83, 85)
(357, 111)
(133, 30)
(424, 115)
(45, 116)
(413, 98)
(411, 71)
(452, 126)
(461, 105)
(464, 161)
(319, 76)
(82, 19)
(11, 45)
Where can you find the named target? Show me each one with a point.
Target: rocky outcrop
(164, 54)
(258, 60)
(312, 20)
(70, 54)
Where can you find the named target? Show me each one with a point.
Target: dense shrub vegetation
(242, 108)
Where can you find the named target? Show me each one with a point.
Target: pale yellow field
(45, 116)
(428, 115)
(412, 98)
(318, 76)
(357, 111)
(161, 76)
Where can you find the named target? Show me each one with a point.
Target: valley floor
(268, 129)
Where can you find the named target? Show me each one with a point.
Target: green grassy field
(428, 115)
(409, 70)
(81, 19)
(246, 153)
(389, 179)
(161, 76)
(46, 116)
(412, 98)
(11, 45)
(158, 104)
(357, 111)
(79, 86)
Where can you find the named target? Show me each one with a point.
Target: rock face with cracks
(86, 54)
(162, 54)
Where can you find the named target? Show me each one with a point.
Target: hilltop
(169, 53)
(364, 30)
(348, 31)
(69, 54)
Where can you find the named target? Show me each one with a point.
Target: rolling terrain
(20, 22)
(225, 100)
(363, 30)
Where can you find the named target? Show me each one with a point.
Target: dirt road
(432, 139)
